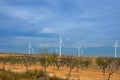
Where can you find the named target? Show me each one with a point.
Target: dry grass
(85, 74)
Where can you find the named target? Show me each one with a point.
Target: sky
(90, 23)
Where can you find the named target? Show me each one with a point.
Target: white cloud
(47, 45)
(68, 25)
(52, 30)
(27, 13)
(29, 38)
(95, 9)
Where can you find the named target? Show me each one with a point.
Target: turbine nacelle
(116, 44)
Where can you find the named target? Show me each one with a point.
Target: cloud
(92, 23)
(47, 45)
(52, 30)
(28, 13)
(97, 9)
(25, 18)
(29, 38)
(37, 41)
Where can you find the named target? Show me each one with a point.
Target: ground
(82, 74)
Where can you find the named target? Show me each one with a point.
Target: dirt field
(82, 74)
(86, 74)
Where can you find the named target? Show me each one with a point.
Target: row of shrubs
(29, 75)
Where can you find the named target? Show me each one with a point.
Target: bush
(8, 75)
(29, 75)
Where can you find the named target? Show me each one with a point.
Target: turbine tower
(79, 49)
(30, 48)
(80, 52)
(115, 46)
(60, 46)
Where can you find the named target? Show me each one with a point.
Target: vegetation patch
(29, 75)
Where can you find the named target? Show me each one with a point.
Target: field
(92, 72)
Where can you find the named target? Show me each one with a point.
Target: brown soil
(82, 74)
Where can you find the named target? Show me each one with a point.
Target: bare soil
(82, 74)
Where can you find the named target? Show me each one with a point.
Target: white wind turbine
(30, 49)
(60, 46)
(80, 52)
(79, 49)
(115, 46)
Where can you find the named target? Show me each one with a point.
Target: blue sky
(91, 23)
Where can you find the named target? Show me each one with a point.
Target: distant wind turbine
(115, 46)
(60, 45)
(80, 52)
(30, 49)
(79, 49)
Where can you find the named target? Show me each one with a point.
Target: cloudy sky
(85, 22)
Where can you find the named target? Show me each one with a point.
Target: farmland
(54, 67)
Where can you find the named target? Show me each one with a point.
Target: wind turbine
(115, 46)
(79, 49)
(80, 52)
(60, 45)
(30, 49)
